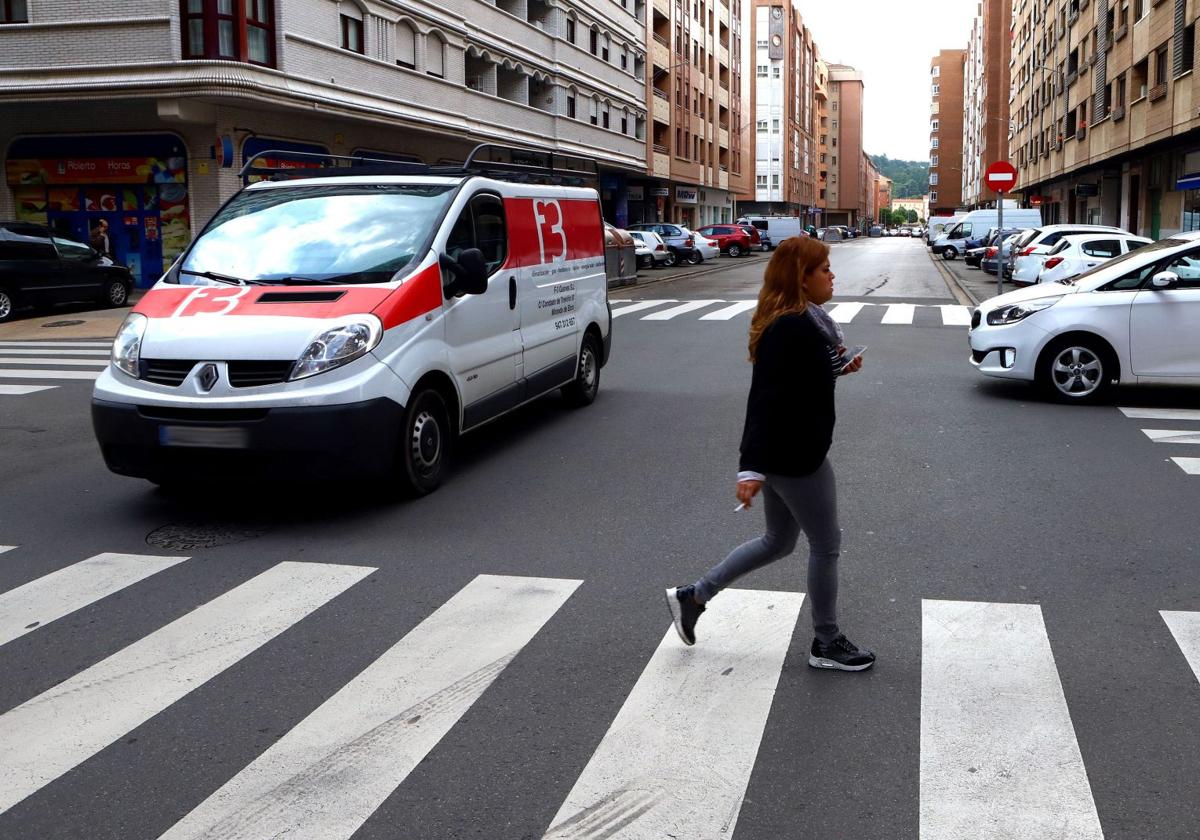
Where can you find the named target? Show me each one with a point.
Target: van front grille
(250, 374)
(170, 372)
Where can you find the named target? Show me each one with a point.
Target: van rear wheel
(582, 390)
(424, 446)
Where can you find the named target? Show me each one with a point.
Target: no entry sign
(1001, 176)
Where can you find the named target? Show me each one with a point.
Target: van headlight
(337, 346)
(1019, 311)
(127, 346)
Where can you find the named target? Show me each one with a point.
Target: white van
(936, 225)
(779, 227)
(352, 325)
(952, 241)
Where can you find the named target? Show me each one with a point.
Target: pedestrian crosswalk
(845, 312)
(998, 751)
(1178, 437)
(43, 365)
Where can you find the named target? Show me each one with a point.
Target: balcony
(1120, 32)
(723, 179)
(662, 163)
(1081, 133)
(1118, 113)
(663, 6)
(1158, 92)
(723, 56)
(662, 107)
(723, 98)
(660, 53)
(723, 138)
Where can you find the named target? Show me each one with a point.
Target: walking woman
(797, 352)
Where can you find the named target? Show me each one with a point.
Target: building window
(604, 118)
(933, 197)
(352, 33)
(1191, 210)
(775, 126)
(762, 126)
(775, 72)
(937, 71)
(933, 144)
(604, 48)
(571, 107)
(774, 181)
(933, 125)
(937, 89)
(933, 161)
(13, 11)
(213, 29)
(833, 107)
(435, 56)
(1186, 59)
(933, 178)
(1160, 65)
(571, 30)
(594, 41)
(761, 71)
(624, 125)
(406, 46)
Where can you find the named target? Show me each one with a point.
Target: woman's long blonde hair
(783, 283)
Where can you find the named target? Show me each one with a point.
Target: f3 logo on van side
(552, 238)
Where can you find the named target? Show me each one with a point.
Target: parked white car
(1130, 320)
(651, 250)
(1076, 254)
(709, 249)
(1029, 252)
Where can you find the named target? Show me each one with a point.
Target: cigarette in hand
(740, 508)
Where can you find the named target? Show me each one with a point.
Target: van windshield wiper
(223, 278)
(309, 281)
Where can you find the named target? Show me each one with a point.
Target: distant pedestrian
(811, 230)
(797, 353)
(100, 239)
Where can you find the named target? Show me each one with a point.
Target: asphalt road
(953, 489)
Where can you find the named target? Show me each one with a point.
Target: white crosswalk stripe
(657, 773)
(60, 593)
(956, 316)
(329, 773)
(999, 757)
(1191, 466)
(1161, 413)
(639, 306)
(52, 733)
(4, 548)
(731, 311)
(50, 361)
(690, 306)
(844, 312)
(1171, 437)
(899, 313)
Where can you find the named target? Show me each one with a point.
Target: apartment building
(849, 194)
(918, 205)
(1107, 112)
(786, 71)
(881, 198)
(698, 155)
(947, 86)
(985, 96)
(142, 111)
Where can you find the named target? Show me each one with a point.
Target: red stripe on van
(206, 301)
(417, 295)
(542, 230)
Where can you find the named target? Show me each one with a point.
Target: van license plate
(199, 436)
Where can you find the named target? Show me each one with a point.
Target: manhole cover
(188, 536)
(63, 324)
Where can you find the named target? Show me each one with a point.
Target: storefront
(687, 202)
(289, 155)
(135, 183)
(1189, 185)
(614, 199)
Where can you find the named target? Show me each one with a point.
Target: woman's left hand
(854, 365)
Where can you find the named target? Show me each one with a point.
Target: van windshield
(323, 234)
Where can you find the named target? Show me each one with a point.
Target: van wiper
(310, 281)
(223, 278)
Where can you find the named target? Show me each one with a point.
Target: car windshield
(1146, 253)
(324, 234)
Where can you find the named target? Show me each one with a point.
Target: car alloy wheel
(695, 258)
(116, 293)
(735, 250)
(6, 306)
(1077, 372)
(671, 260)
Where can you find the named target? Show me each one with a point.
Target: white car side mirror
(1164, 280)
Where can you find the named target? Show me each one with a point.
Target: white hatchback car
(1131, 320)
(650, 249)
(1031, 249)
(1079, 253)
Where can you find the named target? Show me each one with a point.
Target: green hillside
(910, 178)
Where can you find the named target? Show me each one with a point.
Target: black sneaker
(840, 655)
(684, 612)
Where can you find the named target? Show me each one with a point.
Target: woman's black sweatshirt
(790, 413)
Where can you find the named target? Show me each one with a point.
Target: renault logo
(207, 377)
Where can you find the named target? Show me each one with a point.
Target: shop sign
(660, 192)
(89, 170)
(637, 193)
(686, 195)
(1087, 190)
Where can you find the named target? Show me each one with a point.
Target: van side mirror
(1164, 280)
(468, 273)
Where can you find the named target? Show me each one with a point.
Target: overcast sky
(891, 43)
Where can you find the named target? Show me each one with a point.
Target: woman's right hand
(747, 490)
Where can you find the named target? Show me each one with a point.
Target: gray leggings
(792, 504)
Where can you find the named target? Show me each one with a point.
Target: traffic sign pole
(1001, 176)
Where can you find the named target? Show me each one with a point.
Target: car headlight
(127, 346)
(338, 346)
(1019, 311)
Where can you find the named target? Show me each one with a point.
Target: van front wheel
(582, 390)
(424, 443)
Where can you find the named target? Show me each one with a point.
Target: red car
(731, 239)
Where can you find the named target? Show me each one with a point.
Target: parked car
(875, 230)
(975, 254)
(731, 239)
(755, 238)
(1076, 254)
(957, 237)
(680, 243)
(1130, 320)
(38, 268)
(997, 255)
(651, 250)
(1025, 260)
(706, 249)
(778, 228)
(903, 232)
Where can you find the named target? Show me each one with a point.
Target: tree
(912, 216)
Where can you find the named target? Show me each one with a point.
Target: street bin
(620, 257)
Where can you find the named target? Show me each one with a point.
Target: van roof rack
(492, 160)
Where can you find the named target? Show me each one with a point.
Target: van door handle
(512, 292)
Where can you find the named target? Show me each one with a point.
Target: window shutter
(435, 58)
(1178, 46)
(406, 51)
(1100, 76)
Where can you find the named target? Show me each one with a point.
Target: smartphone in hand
(850, 355)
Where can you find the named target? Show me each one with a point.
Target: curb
(960, 292)
(699, 272)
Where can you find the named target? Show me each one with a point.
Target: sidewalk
(68, 321)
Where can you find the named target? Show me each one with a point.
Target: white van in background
(937, 224)
(952, 241)
(779, 227)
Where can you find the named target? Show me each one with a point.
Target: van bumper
(305, 443)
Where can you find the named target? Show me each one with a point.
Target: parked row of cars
(880, 230)
(662, 244)
(1050, 253)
